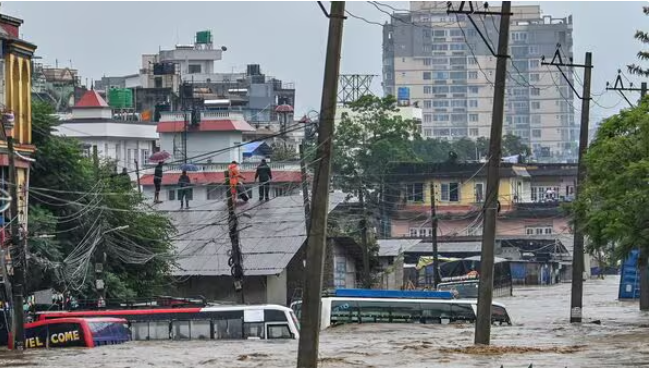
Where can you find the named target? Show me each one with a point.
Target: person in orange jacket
(236, 181)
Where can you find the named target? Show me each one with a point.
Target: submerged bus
(75, 332)
(209, 323)
(373, 308)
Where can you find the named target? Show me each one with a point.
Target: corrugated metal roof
(392, 247)
(450, 247)
(271, 233)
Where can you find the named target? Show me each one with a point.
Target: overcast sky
(287, 38)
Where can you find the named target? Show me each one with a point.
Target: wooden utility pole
(307, 356)
(137, 175)
(485, 289)
(367, 283)
(236, 260)
(434, 223)
(576, 298)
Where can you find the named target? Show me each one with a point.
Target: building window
(519, 36)
(479, 192)
(472, 60)
(427, 61)
(534, 78)
(533, 50)
(535, 64)
(440, 117)
(544, 193)
(440, 103)
(473, 132)
(473, 118)
(130, 156)
(427, 76)
(450, 192)
(473, 89)
(458, 46)
(473, 103)
(427, 90)
(538, 230)
(440, 47)
(535, 92)
(535, 119)
(428, 132)
(439, 33)
(458, 103)
(340, 278)
(413, 232)
(455, 33)
(194, 69)
(440, 61)
(145, 157)
(536, 133)
(157, 82)
(428, 104)
(428, 118)
(536, 105)
(440, 90)
(473, 75)
(415, 192)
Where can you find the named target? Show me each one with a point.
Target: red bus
(75, 332)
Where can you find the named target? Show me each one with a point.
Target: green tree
(513, 145)
(72, 213)
(642, 55)
(283, 152)
(613, 207)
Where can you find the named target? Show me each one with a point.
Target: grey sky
(287, 38)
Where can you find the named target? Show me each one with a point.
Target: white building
(122, 141)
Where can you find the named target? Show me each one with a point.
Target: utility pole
(16, 250)
(95, 161)
(307, 356)
(577, 293)
(434, 223)
(366, 251)
(236, 260)
(619, 87)
(305, 184)
(485, 288)
(137, 175)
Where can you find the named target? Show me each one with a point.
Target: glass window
(375, 312)
(535, 64)
(473, 132)
(406, 312)
(200, 330)
(159, 330)
(180, 330)
(473, 118)
(435, 312)
(274, 315)
(534, 77)
(343, 311)
(439, 33)
(440, 117)
(228, 329)
(440, 90)
(473, 89)
(535, 92)
(473, 103)
(255, 330)
(427, 61)
(427, 90)
(456, 33)
(536, 105)
(536, 133)
(462, 312)
(426, 76)
(428, 104)
(279, 332)
(499, 314)
(473, 75)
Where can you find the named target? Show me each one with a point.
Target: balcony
(220, 167)
(180, 116)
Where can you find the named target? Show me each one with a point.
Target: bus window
(254, 330)
(405, 312)
(228, 329)
(140, 330)
(435, 312)
(343, 311)
(104, 333)
(200, 330)
(499, 314)
(462, 312)
(180, 330)
(278, 331)
(373, 311)
(274, 315)
(159, 330)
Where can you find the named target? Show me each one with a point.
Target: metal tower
(353, 86)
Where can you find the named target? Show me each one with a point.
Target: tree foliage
(70, 202)
(642, 55)
(613, 205)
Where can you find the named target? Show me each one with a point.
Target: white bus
(341, 310)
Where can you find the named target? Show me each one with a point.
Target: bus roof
(392, 294)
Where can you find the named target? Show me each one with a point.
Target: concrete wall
(276, 288)
(220, 288)
(401, 228)
(199, 143)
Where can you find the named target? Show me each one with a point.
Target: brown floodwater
(541, 335)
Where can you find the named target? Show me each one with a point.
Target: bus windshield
(106, 332)
(468, 289)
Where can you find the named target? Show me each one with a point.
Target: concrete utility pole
(434, 224)
(576, 299)
(485, 289)
(305, 185)
(619, 87)
(236, 259)
(307, 356)
(17, 251)
(137, 175)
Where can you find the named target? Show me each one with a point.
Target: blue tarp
(256, 148)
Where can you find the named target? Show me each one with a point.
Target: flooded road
(541, 335)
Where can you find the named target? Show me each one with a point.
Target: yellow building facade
(15, 96)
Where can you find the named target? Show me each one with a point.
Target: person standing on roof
(265, 175)
(183, 192)
(236, 181)
(157, 182)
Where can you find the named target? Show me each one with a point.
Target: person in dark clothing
(157, 181)
(264, 175)
(183, 192)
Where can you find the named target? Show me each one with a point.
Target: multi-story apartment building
(441, 61)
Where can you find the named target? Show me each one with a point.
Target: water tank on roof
(120, 98)
(204, 37)
(253, 69)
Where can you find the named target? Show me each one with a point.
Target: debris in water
(501, 350)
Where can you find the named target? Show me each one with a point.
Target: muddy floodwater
(541, 335)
